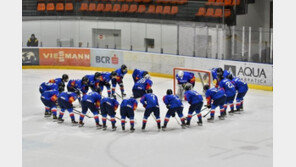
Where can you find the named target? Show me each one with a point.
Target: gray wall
(258, 15)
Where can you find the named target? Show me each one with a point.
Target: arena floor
(241, 140)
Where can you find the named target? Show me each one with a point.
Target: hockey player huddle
(223, 94)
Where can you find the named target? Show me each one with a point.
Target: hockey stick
(119, 95)
(207, 113)
(177, 121)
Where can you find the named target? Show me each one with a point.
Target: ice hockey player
(183, 78)
(196, 102)
(65, 100)
(216, 72)
(49, 99)
(241, 88)
(120, 72)
(150, 103)
(138, 74)
(60, 81)
(141, 86)
(215, 97)
(91, 101)
(45, 86)
(78, 84)
(127, 108)
(230, 91)
(93, 81)
(174, 105)
(108, 107)
(105, 81)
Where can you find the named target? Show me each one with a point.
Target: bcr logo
(114, 59)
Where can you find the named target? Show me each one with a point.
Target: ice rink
(241, 140)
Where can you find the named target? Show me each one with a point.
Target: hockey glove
(209, 106)
(168, 106)
(145, 105)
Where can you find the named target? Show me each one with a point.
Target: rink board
(257, 75)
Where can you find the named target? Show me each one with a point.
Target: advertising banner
(30, 56)
(64, 57)
(106, 58)
(252, 73)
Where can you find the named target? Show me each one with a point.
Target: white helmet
(180, 74)
(147, 76)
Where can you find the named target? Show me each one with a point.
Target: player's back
(91, 79)
(110, 101)
(215, 93)
(193, 97)
(74, 83)
(151, 100)
(240, 85)
(106, 76)
(131, 103)
(48, 94)
(172, 100)
(66, 95)
(229, 88)
(45, 86)
(91, 97)
(143, 84)
(57, 81)
(120, 73)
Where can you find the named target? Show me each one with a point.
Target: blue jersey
(215, 76)
(143, 84)
(112, 102)
(138, 74)
(120, 73)
(187, 77)
(131, 103)
(67, 95)
(91, 79)
(240, 85)
(56, 81)
(228, 87)
(45, 86)
(193, 97)
(214, 93)
(92, 97)
(77, 84)
(172, 100)
(149, 100)
(106, 77)
(47, 95)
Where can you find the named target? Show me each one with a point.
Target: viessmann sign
(64, 56)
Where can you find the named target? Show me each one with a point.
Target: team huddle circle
(88, 92)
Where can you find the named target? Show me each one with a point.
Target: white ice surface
(243, 140)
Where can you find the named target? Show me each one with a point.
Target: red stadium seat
(124, 8)
(235, 2)
(151, 9)
(174, 10)
(50, 6)
(91, 7)
(133, 8)
(69, 6)
(211, 2)
(166, 10)
(120, 0)
(201, 12)
(83, 7)
(138, 1)
(219, 3)
(227, 12)
(60, 7)
(100, 7)
(227, 2)
(141, 9)
(108, 7)
(218, 13)
(146, 1)
(41, 7)
(129, 0)
(116, 8)
(210, 12)
(158, 9)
